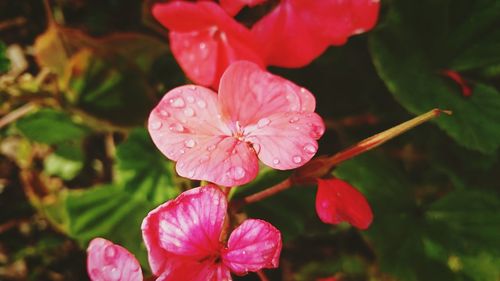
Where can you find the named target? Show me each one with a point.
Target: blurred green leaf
(421, 39)
(51, 127)
(4, 61)
(415, 240)
(143, 170)
(65, 162)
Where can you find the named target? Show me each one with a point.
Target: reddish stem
(268, 191)
(262, 276)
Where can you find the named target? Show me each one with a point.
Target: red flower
(205, 40)
(233, 7)
(337, 201)
(298, 31)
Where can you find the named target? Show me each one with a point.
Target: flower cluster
(205, 38)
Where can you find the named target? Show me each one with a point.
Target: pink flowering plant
(227, 140)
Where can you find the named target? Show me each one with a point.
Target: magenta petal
(185, 115)
(248, 93)
(197, 271)
(253, 245)
(287, 140)
(110, 262)
(337, 201)
(232, 7)
(223, 160)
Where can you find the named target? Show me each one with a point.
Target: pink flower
(204, 39)
(337, 201)
(298, 31)
(233, 7)
(109, 262)
(219, 138)
(183, 239)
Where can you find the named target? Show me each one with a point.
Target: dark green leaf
(4, 61)
(51, 127)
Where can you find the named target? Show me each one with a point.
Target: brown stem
(262, 276)
(268, 192)
(16, 114)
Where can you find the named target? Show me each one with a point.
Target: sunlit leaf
(65, 162)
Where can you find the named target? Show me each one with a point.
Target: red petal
(233, 7)
(110, 262)
(337, 201)
(253, 245)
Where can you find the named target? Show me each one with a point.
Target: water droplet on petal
(164, 113)
(155, 125)
(211, 147)
(293, 119)
(177, 102)
(189, 112)
(191, 173)
(110, 252)
(190, 99)
(182, 151)
(276, 161)
(176, 127)
(203, 46)
(310, 149)
(297, 159)
(201, 103)
(244, 252)
(237, 173)
(190, 143)
(203, 158)
(263, 122)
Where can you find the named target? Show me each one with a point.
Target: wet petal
(286, 140)
(183, 16)
(337, 201)
(224, 160)
(110, 262)
(188, 226)
(197, 271)
(232, 7)
(253, 245)
(248, 93)
(184, 116)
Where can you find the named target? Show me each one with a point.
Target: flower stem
(262, 276)
(285, 184)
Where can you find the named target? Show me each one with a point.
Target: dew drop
(201, 103)
(359, 31)
(164, 113)
(276, 161)
(244, 252)
(156, 125)
(177, 102)
(193, 88)
(297, 159)
(302, 90)
(190, 143)
(191, 173)
(293, 119)
(189, 112)
(112, 273)
(182, 151)
(310, 149)
(263, 122)
(176, 127)
(110, 252)
(203, 158)
(211, 147)
(203, 46)
(237, 173)
(190, 99)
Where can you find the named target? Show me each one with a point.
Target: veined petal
(337, 201)
(110, 262)
(253, 245)
(248, 93)
(286, 140)
(223, 160)
(198, 271)
(187, 227)
(185, 116)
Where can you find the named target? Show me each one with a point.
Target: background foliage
(79, 163)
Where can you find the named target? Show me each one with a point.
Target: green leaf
(65, 162)
(143, 170)
(415, 239)
(4, 61)
(51, 127)
(411, 52)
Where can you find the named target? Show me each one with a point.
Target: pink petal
(185, 228)
(207, 46)
(110, 262)
(253, 245)
(337, 201)
(190, 225)
(198, 271)
(185, 116)
(233, 7)
(285, 39)
(247, 93)
(287, 140)
(222, 160)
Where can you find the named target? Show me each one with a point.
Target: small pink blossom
(109, 262)
(205, 40)
(183, 239)
(219, 138)
(337, 201)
